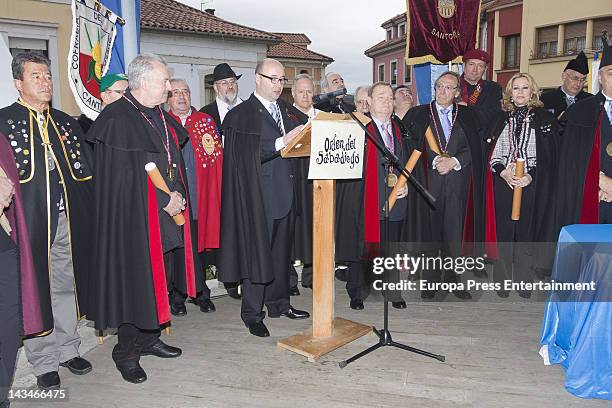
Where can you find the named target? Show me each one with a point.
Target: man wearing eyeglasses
(571, 90)
(203, 157)
(361, 98)
(225, 84)
(258, 213)
(451, 168)
(112, 87)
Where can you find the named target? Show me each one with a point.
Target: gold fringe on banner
(430, 58)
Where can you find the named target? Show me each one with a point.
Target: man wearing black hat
(225, 84)
(584, 190)
(574, 77)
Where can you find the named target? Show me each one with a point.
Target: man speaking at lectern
(258, 196)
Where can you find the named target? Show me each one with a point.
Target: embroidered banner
(440, 31)
(93, 34)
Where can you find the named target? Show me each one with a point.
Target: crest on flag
(441, 31)
(93, 34)
(446, 8)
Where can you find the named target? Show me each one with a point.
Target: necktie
(570, 99)
(277, 117)
(387, 136)
(446, 125)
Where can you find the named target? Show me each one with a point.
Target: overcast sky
(340, 29)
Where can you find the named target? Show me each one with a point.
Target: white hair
(179, 79)
(140, 67)
(361, 88)
(325, 82)
(297, 78)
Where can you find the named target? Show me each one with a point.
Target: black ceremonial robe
(212, 109)
(360, 203)
(541, 219)
(257, 188)
(582, 155)
(302, 246)
(554, 100)
(72, 158)
(417, 120)
(132, 230)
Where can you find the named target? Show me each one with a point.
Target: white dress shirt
(224, 107)
(279, 144)
(450, 119)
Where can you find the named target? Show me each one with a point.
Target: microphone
(327, 96)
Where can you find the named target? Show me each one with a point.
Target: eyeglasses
(445, 87)
(274, 80)
(117, 91)
(177, 92)
(578, 79)
(226, 82)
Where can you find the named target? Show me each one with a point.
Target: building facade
(389, 55)
(43, 26)
(550, 39)
(194, 42)
(500, 36)
(293, 53)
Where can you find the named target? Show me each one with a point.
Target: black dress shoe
(296, 314)
(206, 305)
(307, 286)
(356, 304)
(233, 293)
(258, 329)
(132, 372)
(178, 310)
(428, 294)
(294, 291)
(48, 381)
(462, 294)
(341, 274)
(162, 350)
(503, 293)
(77, 365)
(399, 305)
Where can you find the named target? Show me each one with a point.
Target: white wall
(193, 56)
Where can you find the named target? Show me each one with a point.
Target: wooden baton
(431, 141)
(401, 182)
(160, 183)
(519, 171)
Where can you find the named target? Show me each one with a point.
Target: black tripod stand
(384, 335)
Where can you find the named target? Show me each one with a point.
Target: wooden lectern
(328, 333)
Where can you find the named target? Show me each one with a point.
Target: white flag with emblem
(93, 34)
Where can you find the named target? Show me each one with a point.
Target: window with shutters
(393, 72)
(575, 37)
(600, 25)
(547, 42)
(512, 52)
(407, 74)
(401, 30)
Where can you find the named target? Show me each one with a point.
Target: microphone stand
(384, 335)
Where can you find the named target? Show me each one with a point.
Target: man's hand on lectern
(291, 135)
